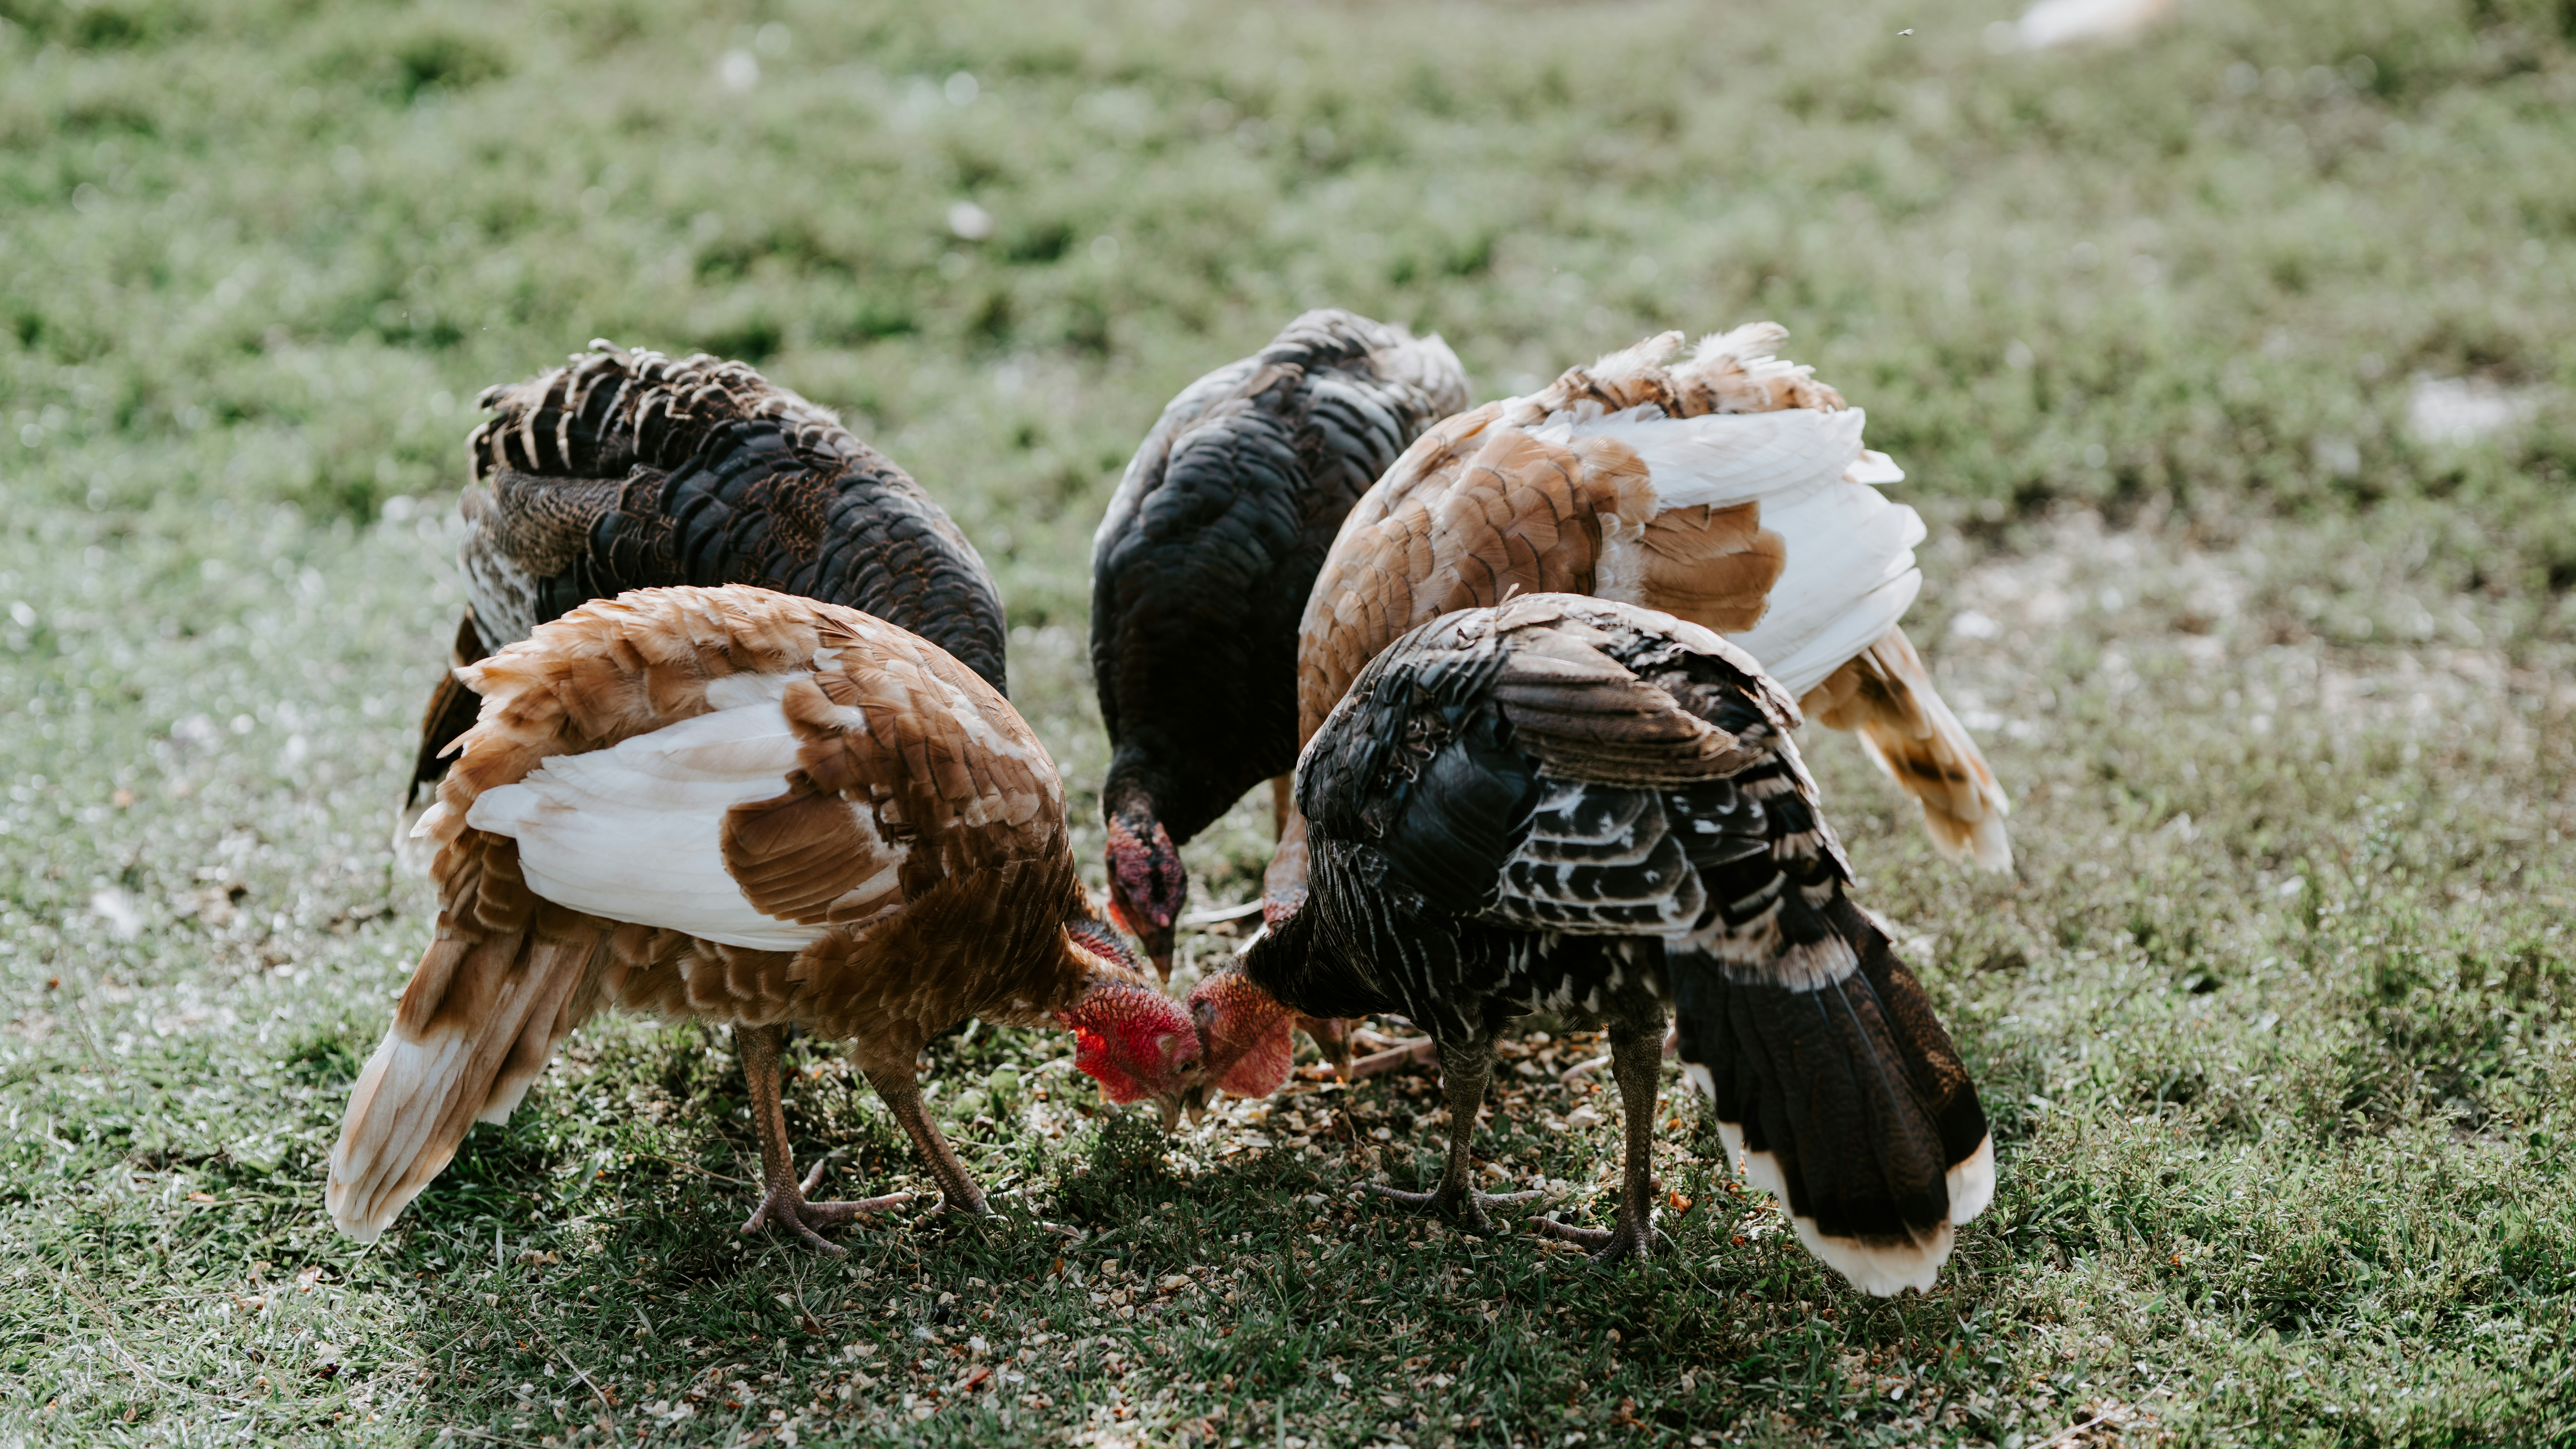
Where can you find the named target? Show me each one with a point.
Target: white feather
(1849, 576)
(1824, 648)
(632, 832)
(1972, 1183)
(1873, 467)
(1722, 459)
(1880, 1270)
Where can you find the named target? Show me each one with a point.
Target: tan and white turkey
(753, 810)
(1720, 485)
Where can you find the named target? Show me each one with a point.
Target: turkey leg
(783, 1199)
(1463, 1071)
(1636, 1059)
(902, 1094)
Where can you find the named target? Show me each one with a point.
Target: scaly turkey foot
(785, 1204)
(1615, 1244)
(1463, 1208)
(974, 1209)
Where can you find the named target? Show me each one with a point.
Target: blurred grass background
(2229, 368)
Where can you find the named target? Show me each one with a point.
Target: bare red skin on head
(1243, 1035)
(1148, 884)
(1131, 1039)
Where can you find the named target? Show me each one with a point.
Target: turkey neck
(1139, 779)
(1297, 965)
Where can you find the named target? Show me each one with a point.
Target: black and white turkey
(1592, 809)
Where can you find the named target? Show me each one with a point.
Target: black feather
(1201, 569)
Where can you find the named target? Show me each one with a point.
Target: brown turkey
(752, 809)
(1201, 569)
(1723, 486)
(629, 470)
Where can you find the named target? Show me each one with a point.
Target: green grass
(2273, 1022)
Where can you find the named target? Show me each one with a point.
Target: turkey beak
(1163, 965)
(1190, 1097)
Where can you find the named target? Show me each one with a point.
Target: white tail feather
(1972, 1184)
(419, 1094)
(1722, 459)
(1881, 1270)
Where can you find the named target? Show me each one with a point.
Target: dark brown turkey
(1201, 569)
(629, 470)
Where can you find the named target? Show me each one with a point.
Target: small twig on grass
(2107, 1419)
(1419, 1053)
(693, 1167)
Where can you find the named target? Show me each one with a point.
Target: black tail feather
(451, 712)
(1845, 1097)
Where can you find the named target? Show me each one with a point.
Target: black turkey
(629, 470)
(1588, 808)
(1201, 569)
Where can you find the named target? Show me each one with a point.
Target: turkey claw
(1465, 1209)
(1615, 1245)
(786, 1205)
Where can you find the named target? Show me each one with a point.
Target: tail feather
(610, 409)
(1844, 1099)
(1887, 696)
(452, 709)
(481, 1020)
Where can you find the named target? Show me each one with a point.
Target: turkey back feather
(1203, 561)
(629, 470)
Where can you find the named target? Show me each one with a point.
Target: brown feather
(1887, 696)
(1589, 718)
(1464, 525)
(1713, 566)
